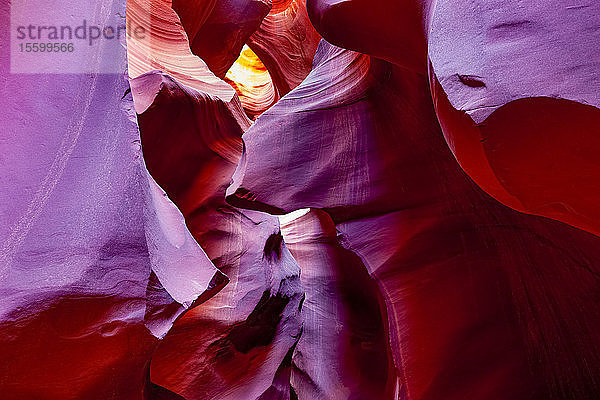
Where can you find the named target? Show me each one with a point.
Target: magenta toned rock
(219, 32)
(264, 215)
(237, 344)
(343, 352)
(457, 270)
(515, 266)
(516, 89)
(333, 164)
(165, 47)
(286, 43)
(395, 31)
(95, 261)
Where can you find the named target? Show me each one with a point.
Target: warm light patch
(252, 82)
(280, 5)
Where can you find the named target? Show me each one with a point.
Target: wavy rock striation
(286, 43)
(140, 256)
(457, 270)
(236, 345)
(95, 261)
(343, 351)
(252, 82)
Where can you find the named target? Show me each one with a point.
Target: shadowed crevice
(272, 250)
(257, 330)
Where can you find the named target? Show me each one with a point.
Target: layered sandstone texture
(308, 199)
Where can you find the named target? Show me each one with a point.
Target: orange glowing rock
(218, 33)
(286, 43)
(252, 82)
(142, 261)
(165, 47)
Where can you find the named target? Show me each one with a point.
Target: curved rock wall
(320, 199)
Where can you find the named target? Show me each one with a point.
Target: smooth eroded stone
(393, 30)
(286, 43)
(95, 261)
(516, 88)
(344, 349)
(234, 345)
(481, 300)
(218, 34)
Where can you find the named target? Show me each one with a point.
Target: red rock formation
(165, 47)
(516, 91)
(95, 261)
(343, 351)
(286, 43)
(401, 279)
(474, 290)
(238, 342)
(217, 30)
(395, 31)
(234, 345)
(535, 67)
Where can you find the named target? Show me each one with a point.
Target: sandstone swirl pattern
(308, 199)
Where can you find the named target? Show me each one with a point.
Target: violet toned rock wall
(95, 261)
(320, 199)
